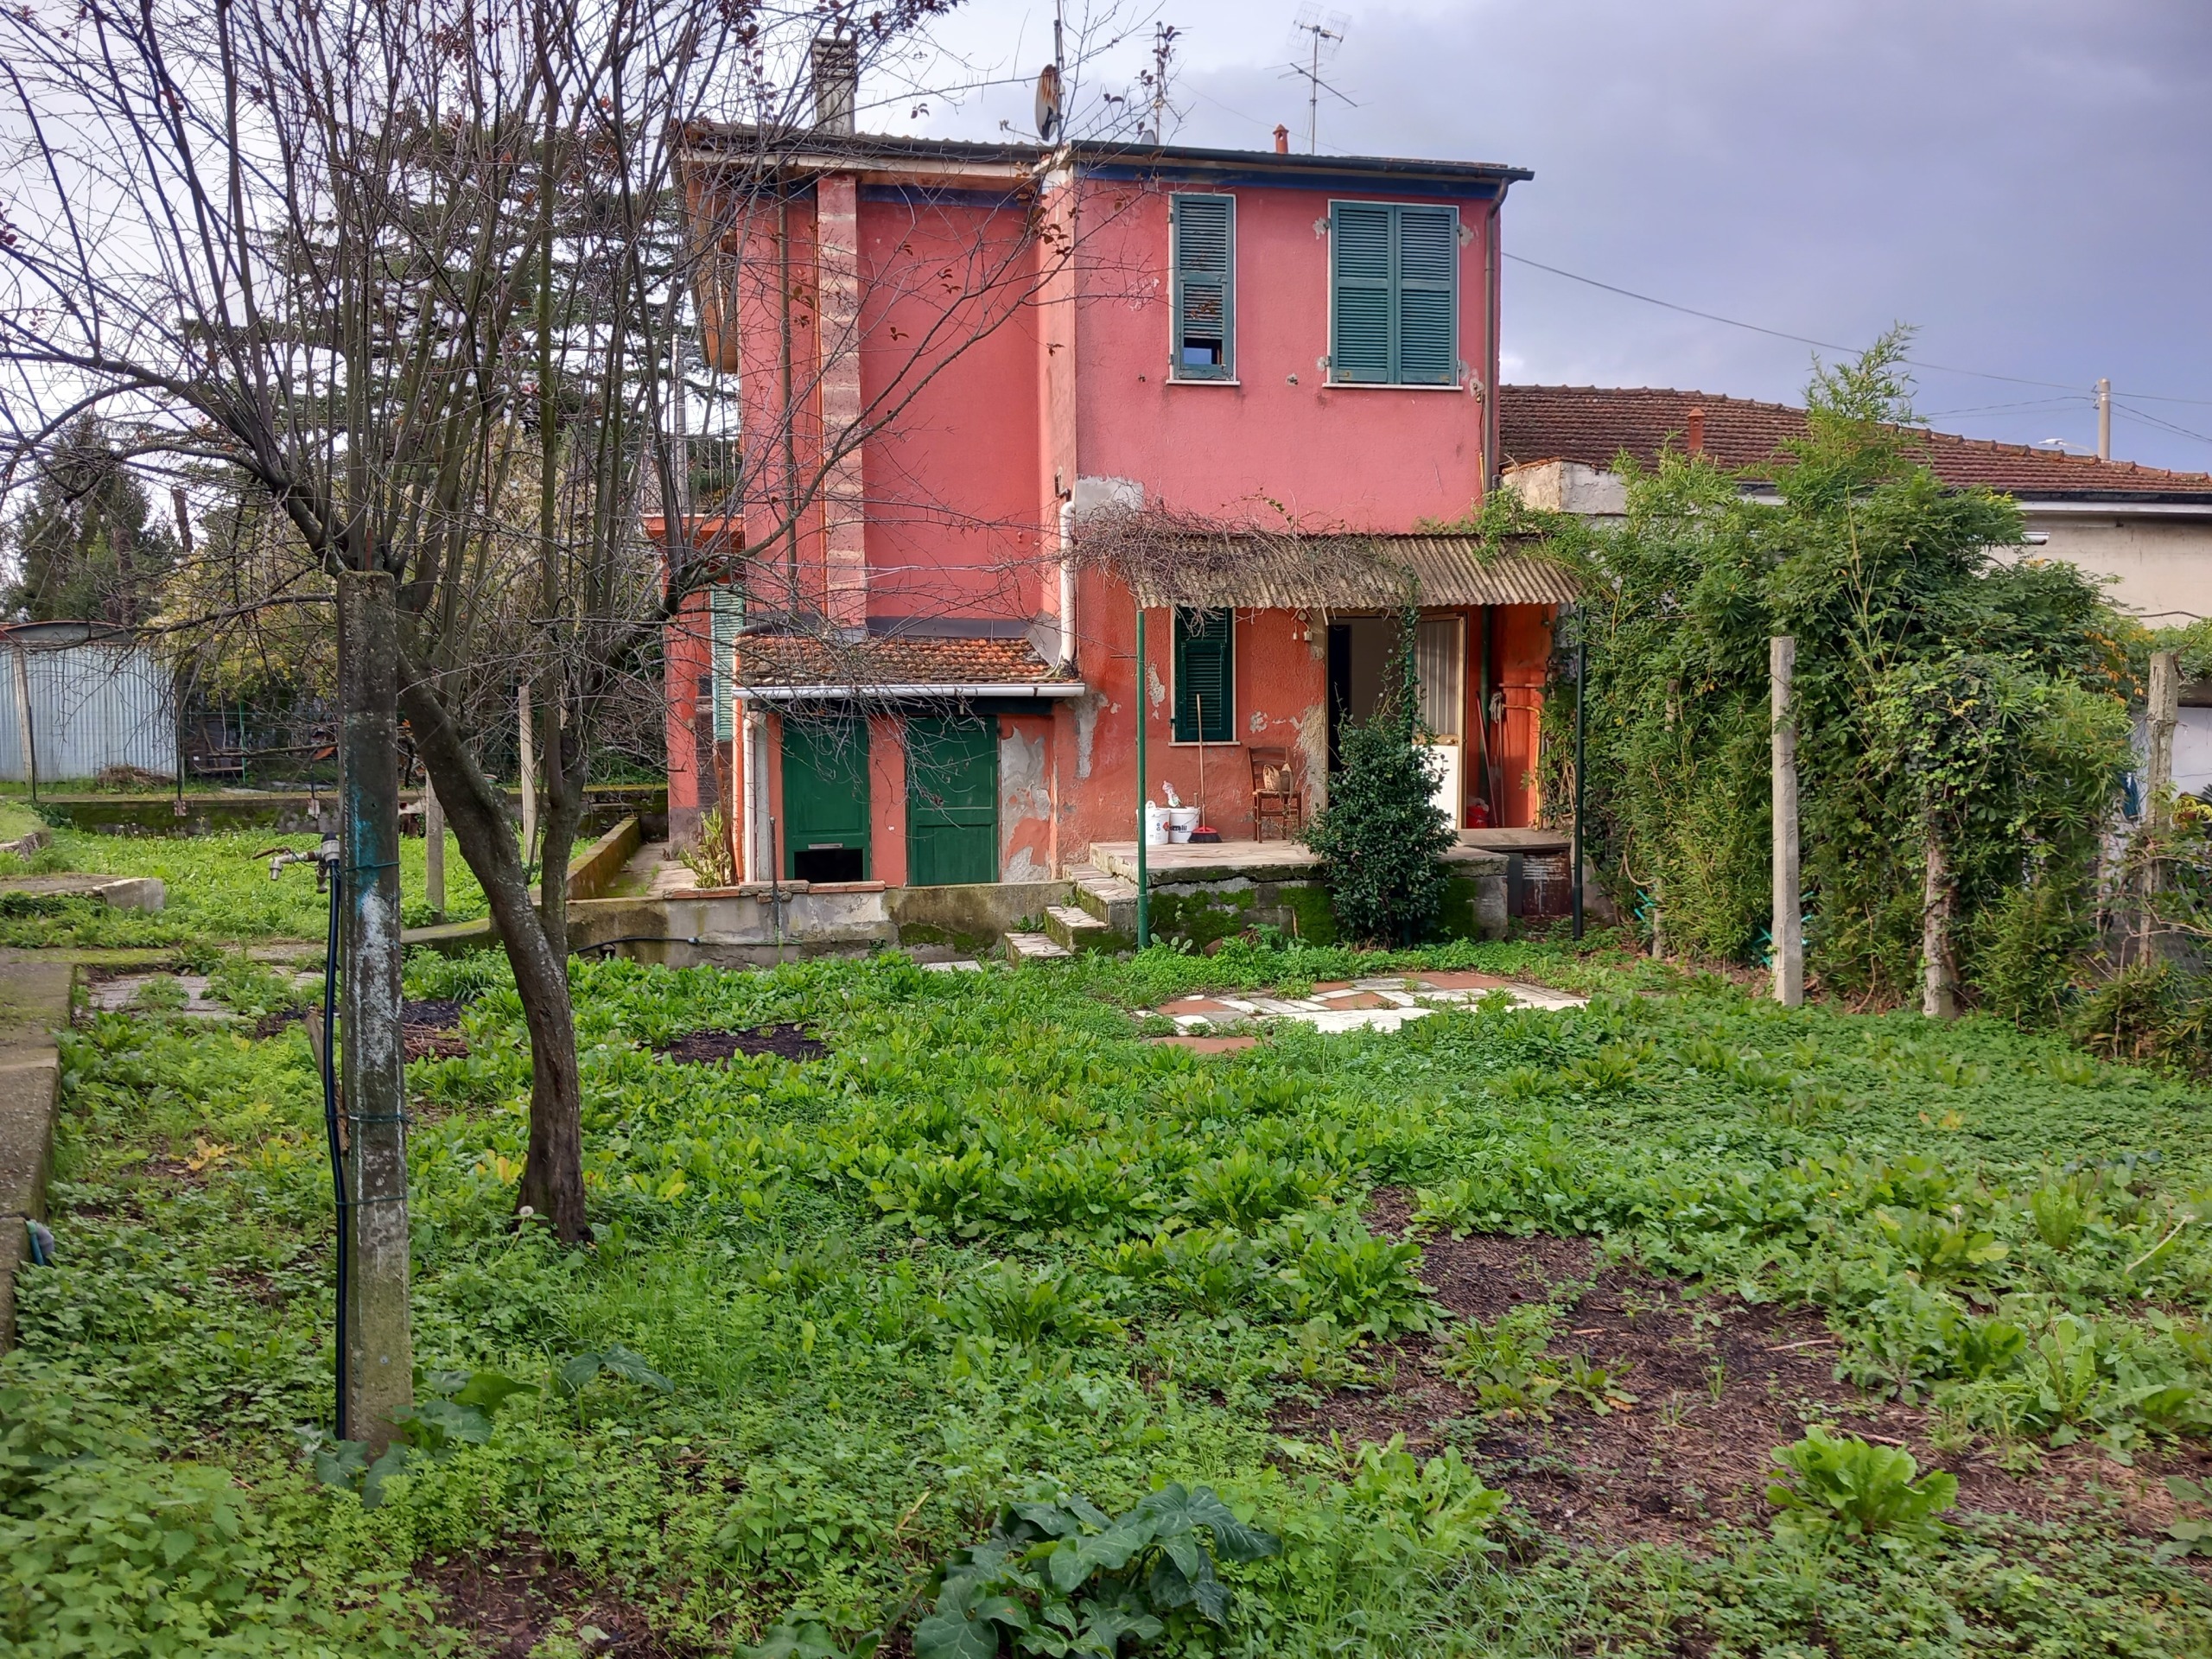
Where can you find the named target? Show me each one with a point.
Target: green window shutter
(1204, 234)
(1360, 304)
(1428, 296)
(1393, 308)
(1206, 676)
(725, 615)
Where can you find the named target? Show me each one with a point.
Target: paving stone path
(1380, 1004)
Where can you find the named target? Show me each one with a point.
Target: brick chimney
(1694, 443)
(1282, 141)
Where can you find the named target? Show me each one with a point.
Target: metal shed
(96, 697)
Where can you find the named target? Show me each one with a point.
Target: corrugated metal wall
(93, 706)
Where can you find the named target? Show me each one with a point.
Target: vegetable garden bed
(1436, 1315)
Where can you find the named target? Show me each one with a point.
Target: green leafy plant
(452, 1409)
(1844, 1488)
(1058, 1577)
(2186, 1536)
(577, 1373)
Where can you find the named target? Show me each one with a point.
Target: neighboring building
(2146, 533)
(1214, 338)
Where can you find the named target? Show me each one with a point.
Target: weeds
(992, 1237)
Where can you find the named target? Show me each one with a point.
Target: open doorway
(1359, 652)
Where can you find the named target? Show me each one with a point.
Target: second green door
(825, 800)
(953, 800)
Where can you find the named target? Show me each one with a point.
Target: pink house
(962, 369)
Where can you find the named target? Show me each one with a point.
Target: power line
(2153, 420)
(1829, 345)
(2063, 401)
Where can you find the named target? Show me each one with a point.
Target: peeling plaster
(1313, 750)
(1024, 805)
(1156, 689)
(1086, 728)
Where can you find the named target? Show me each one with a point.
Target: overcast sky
(2027, 181)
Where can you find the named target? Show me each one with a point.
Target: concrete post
(434, 848)
(1789, 901)
(377, 1377)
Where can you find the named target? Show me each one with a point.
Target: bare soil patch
(510, 1600)
(793, 1042)
(1719, 1383)
(430, 1028)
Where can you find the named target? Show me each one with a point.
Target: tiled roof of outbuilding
(785, 660)
(1351, 573)
(1593, 424)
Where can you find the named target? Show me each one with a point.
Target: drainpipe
(1067, 587)
(1144, 871)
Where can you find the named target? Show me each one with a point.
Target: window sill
(1200, 380)
(1390, 385)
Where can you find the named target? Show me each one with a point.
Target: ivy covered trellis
(1963, 716)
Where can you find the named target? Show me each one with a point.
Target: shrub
(1382, 836)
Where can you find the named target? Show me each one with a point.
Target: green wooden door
(825, 800)
(953, 800)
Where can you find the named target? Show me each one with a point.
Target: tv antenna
(1052, 92)
(1316, 38)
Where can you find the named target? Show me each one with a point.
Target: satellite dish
(1048, 103)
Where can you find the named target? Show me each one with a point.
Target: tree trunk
(553, 1179)
(1939, 977)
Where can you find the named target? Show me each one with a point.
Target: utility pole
(377, 1378)
(2104, 420)
(1789, 904)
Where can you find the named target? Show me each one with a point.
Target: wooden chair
(1275, 794)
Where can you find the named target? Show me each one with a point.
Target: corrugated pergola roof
(1349, 572)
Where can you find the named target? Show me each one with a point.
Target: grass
(218, 888)
(996, 1244)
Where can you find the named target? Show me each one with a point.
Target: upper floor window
(1203, 232)
(1393, 295)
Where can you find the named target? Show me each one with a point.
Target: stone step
(1073, 929)
(1035, 947)
(1111, 899)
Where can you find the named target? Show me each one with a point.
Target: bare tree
(420, 271)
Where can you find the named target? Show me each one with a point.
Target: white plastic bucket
(1155, 825)
(1181, 820)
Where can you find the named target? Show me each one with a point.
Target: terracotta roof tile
(773, 659)
(1593, 424)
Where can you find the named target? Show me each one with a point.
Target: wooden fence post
(2161, 718)
(1788, 925)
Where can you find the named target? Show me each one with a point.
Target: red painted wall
(1366, 457)
(948, 368)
